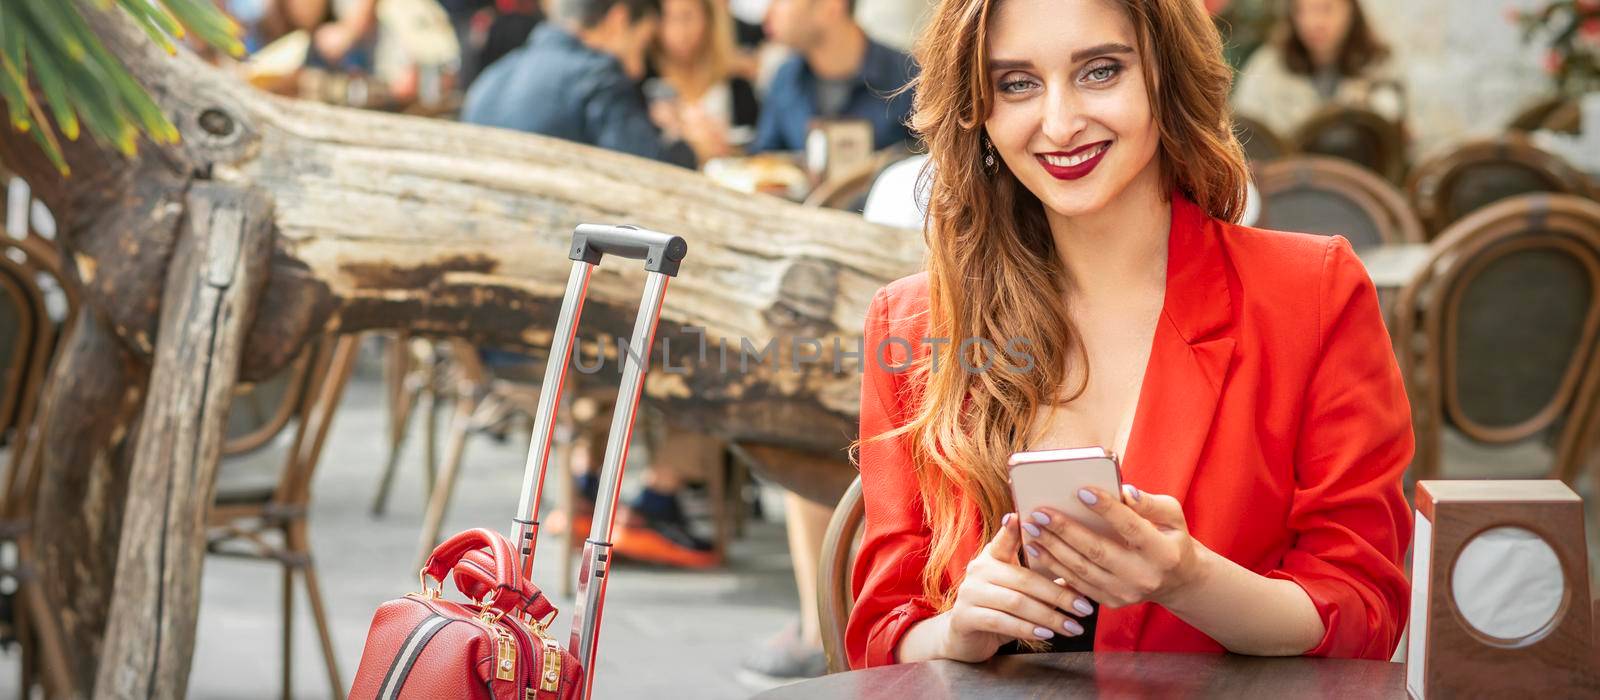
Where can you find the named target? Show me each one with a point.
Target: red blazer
(1272, 408)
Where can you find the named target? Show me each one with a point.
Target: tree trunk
(212, 286)
(392, 222)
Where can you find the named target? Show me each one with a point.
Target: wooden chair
(483, 399)
(834, 597)
(1496, 336)
(1261, 144)
(1317, 194)
(1357, 135)
(268, 520)
(414, 380)
(1447, 188)
(27, 344)
(1552, 113)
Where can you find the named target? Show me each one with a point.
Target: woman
(1086, 181)
(693, 86)
(1323, 53)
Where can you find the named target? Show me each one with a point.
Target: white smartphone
(1052, 478)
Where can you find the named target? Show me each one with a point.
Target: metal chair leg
(444, 486)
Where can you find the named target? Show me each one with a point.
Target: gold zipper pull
(505, 654)
(550, 678)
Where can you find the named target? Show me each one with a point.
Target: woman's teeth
(1069, 161)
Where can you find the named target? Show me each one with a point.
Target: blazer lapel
(1189, 360)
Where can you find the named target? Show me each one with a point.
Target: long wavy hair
(1360, 49)
(993, 272)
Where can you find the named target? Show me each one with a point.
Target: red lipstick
(1079, 166)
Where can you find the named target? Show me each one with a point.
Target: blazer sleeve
(1349, 512)
(887, 579)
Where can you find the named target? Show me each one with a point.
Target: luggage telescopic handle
(661, 252)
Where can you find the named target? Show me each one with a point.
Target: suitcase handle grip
(660, 252)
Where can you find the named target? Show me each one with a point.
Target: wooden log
(211, 290)
(394, 222)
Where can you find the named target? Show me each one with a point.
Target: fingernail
(1032, 529)
(1072, 627)
(1083, 606)
(1006, 521)
(1133, 491)
(1041, 518)
(1043, 633)
(1087, 497)
(1032, 550)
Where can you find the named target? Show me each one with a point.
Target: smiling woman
(1087, 184)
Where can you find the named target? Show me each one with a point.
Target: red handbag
(498, 647)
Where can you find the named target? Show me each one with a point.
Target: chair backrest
(1535, 115)
(27, 345)
(1498, 336)
(1357, 135)
(1261, 144)
(834, 599)
(316, 383)
(1480, 173)
(1317, 194)
(261, 410)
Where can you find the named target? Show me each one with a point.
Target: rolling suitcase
(499, 646)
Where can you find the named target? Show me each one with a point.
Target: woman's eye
(1103, 73)
(1015, 85)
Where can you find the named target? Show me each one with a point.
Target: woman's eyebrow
(1102, 49)
(998, 64)
(1009, 64)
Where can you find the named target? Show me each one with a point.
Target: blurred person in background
(493, 30)
(577, 79)
(692, 65)
(837, 72)
(1323, 53)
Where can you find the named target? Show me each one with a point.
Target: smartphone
(1052, 478)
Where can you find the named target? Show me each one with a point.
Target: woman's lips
(1076, 164)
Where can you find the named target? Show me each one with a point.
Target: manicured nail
(1033, 530)
(1083, 606)
(1041, 518)
(1087, 497)
(1072, 627)
(1131, 490)
(1032, 550)
(1006, 521)
(1043, 633)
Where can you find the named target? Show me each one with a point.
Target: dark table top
(1113, 674)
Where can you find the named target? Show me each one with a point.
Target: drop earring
(988, 154)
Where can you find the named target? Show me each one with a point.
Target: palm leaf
(46, 46)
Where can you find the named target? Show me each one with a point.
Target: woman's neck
(1121, 248)
(689, 78)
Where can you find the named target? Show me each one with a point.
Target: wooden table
(1112, 674)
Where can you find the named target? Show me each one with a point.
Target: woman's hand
(1000, 600)
(1152, 558)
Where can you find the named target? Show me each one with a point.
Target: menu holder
(1500, 592)
(837, 146)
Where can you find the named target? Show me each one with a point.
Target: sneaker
(588, 490)
(654, 529)
(781, 660)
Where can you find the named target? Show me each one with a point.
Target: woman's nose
(1063, 118)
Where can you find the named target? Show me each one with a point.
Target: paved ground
(668, 634)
